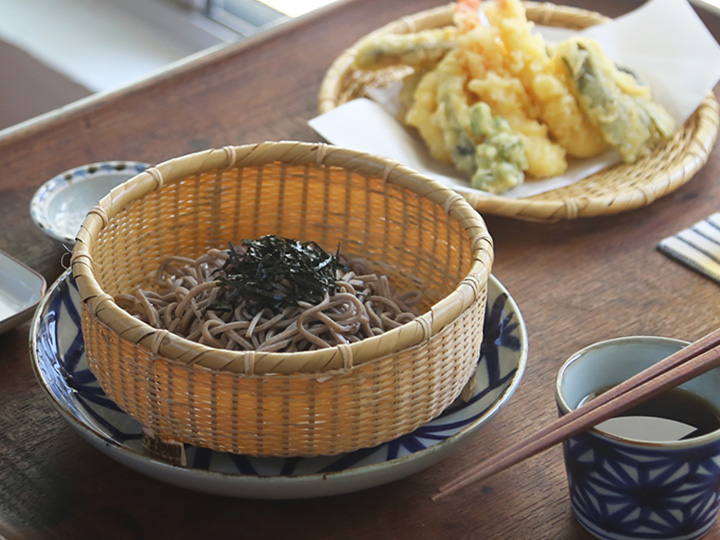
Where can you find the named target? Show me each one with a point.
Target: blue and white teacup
(626, 488)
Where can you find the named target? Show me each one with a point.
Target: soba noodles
(185, 301)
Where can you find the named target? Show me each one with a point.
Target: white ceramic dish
(60, 205)
(57, 352)
(21, 288)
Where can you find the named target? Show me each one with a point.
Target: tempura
(491, 97)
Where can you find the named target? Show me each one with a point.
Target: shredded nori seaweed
(274, 272)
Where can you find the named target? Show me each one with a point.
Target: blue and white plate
(58, 356)
(59, 207)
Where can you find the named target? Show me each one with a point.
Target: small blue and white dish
(58, 358)
(630, 485)
(59, 207)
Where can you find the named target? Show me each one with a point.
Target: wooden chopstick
(685, 364)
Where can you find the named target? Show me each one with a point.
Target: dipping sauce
(674, 415)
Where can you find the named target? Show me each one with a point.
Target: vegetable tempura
(491, 97)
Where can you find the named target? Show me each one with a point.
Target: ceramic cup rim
(615, 342)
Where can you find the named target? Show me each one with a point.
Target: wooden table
(576, 282)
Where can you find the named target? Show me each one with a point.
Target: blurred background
(55, 52)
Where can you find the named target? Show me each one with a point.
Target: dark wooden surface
(576, 282)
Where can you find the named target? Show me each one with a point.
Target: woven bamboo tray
(615, 189)
(295, 404)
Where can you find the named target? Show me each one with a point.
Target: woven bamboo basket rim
(618, 188)
(309, 363)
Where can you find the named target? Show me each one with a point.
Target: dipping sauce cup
(623, 487)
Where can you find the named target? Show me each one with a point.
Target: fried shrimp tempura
(482, 55)
(528, 60)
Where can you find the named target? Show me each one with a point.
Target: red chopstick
(689, 362)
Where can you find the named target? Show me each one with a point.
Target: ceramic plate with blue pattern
(59, 207)
(58, 356)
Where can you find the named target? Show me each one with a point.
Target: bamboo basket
(294, 404)
(612, 190)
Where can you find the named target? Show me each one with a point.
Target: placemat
(697, 247)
